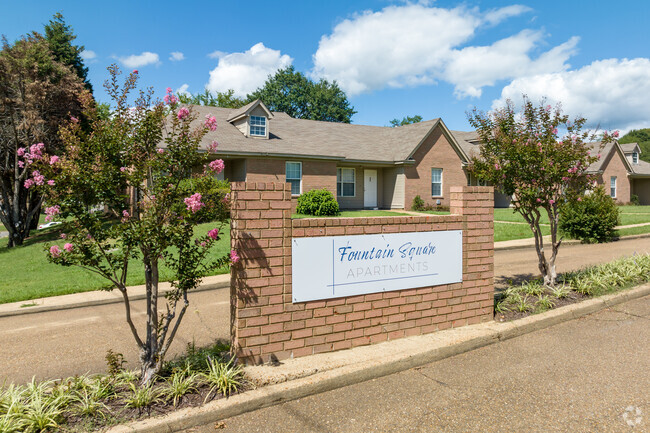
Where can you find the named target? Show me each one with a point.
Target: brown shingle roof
(310, 138)
(468, 141)
(630, 147)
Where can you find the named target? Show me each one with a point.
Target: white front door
(370, 188)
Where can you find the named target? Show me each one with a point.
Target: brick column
(476, 205)
(260, 228)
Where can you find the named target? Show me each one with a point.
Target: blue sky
(393, 58)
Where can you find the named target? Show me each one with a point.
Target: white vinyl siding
(612, 186)
(436, 182)
(294, 176)
(258, 126)
(345, 182)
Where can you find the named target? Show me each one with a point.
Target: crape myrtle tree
(136, 163)
(524, 156)
(37, 94)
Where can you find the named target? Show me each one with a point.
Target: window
(436, 182)
(345, 182)
(612, 187)
(258, 126)
(294, 176)
(635, 158)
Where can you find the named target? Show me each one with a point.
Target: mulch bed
(572, 298)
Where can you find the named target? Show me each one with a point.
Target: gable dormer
(632, 152)
(252, 120)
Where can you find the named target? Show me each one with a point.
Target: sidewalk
(98, 297)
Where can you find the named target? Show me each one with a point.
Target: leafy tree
(523, 156)
(121, 166)
(406, 121)
(225, 99)
(298, 96)
(59, 36)
(641, 136)
(37, 94)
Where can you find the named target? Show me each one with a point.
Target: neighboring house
(363, 166)
(640, 174)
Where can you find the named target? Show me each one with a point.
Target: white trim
(354, 181)
(441, 181)
(612, 186)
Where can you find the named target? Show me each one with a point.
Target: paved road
(62, 343)
(586, 375)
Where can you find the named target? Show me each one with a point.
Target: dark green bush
(318, 202)
(634, 199)
(590, 218)
(418, 204)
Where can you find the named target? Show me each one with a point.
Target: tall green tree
(641, 136)
(225, 99)
(37, 95)
(60, 36)
(406, 120)
(298, 96)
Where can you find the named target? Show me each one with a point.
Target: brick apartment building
(363, 166)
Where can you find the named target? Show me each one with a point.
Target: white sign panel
(336, 266)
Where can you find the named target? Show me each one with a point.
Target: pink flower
(29, 183)
(210, 122)
(170, 98)
(213, 234)
(68, 247)
(183, 113)
(54, 160)
(551, 201)
(598, 156)
(63, 236)
(55, 251)
(74, 119)
(122, 169)
(497, 167)
(539, 200)
(233, 256)
(212, 147)
(615, 134)
(39, 179)
(161, 151)
(51, 212)
(169, 90)
(125, 216)
(202, 244)
(579, 198)
(194, 203)
(20, 151)
(50, 182)
(554, 130)
(548, 108)
(217, 165)
(21, 164)
(135, 71)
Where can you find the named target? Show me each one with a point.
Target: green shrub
(318, 202)
(418, 204)
(591, 218)
(634, 200)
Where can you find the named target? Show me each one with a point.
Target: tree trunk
(149, 356)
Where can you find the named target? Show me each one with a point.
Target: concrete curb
(102, 301)
(455, 342)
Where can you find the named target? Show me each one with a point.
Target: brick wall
(435, 152)
(614, 166)
(266, 324)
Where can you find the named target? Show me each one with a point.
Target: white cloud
(245, 72)
(176, 56)
(216, 54)
(88, 55)
(612, 93)
(415, 44)
(183, 89)
(139, 60)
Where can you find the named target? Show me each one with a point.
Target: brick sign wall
(267, 325)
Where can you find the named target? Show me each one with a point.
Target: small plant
(141, 397)
(225, 378)
(114, 362)
(533, 288)
(318, 202)
(591, 218)
(43, 412)
(501, 306)
(418, 204)
(560, 292)
(634, 200)
(179, 384)
(88, 404)
(522, 304)
(544, 303)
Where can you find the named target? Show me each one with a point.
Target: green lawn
(629, 215)
(635, 209)
(633, 231)
(356, 214)
(508, 232)
(26, 273)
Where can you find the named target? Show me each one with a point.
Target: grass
(355, 214)
(633, 231)
(629, 215)
(508, 232)
(436, 212)
(26, 273)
